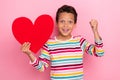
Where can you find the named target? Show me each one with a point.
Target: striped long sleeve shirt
(66, 57)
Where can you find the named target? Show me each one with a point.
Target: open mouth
(65, 30)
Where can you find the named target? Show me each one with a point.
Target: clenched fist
(94, 24)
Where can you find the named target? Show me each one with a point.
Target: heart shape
(37, 34)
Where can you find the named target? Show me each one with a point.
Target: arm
(98, 40)
(40, 63)
(94, 26)
(97, 48)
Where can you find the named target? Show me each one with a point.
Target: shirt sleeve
(42, 62)
(95, 49)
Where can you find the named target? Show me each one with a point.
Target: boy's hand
(94, 24)
(26, 48)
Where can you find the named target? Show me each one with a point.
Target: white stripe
(67, 63)
(67, 71)
(65, 46)
(67, 54)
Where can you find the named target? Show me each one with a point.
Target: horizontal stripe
(100, 54)
(44, 59)
(45, 56)
(67, 62)
(71, 59)
(64, 57)
(66, 65)
(65, 43)
(45, 52)
(67, 77)
(70, 74)
(65, 48)
(66, 51)
(98, 43)
(62, 44)
(62, 47)
(67, 68)
(100, 50)
(99, 46)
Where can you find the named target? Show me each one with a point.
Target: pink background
(14, 65)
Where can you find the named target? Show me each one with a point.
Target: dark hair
(68, 9)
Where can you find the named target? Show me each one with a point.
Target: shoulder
(51, 40)
(79, 37)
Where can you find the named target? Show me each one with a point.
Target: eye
(70, 21)
(61, 21)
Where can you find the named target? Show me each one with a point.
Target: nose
(66, 24)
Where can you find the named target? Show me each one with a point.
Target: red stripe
(65, 51)
(44, 48)
(66, 65)
(36, 63)
(67, 68)
(44, 60)
(99, 45)
(81, 41)
(89, 47)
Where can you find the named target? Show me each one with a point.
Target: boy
(64, 51)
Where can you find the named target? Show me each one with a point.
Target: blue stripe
(67, 60)
(64, 46)
(64, 43)
(45, 56)
(39, 66)
(67, 77)
(100, 54)
(90, 49)
(84, 45)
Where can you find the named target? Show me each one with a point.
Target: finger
(28, 46)
(23, 45)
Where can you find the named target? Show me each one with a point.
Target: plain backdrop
(14, 65)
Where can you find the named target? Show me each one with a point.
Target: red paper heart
(37, 34)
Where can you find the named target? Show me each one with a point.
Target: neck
(63, 38)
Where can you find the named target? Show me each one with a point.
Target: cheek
(59, 25)
(72, 26)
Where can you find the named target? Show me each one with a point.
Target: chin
(65, 35)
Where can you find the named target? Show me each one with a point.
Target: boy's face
(65, 23)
